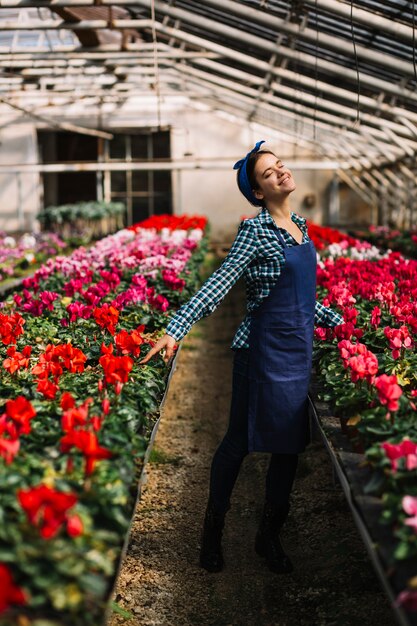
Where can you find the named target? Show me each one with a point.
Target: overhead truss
(338, 76)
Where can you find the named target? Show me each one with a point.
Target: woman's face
(274, 179)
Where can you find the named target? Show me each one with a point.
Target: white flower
(27, 241)
(195, 234)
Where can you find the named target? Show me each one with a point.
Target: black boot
(268, 543)
(211, 556)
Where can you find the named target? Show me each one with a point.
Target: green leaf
(120, 611)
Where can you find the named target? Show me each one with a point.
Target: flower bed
(77, 413)
(404, 241)
(83, 222)
(368, 368)
(18, 255)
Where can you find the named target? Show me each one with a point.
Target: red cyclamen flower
(48, 509)
(130, 343)
(375, 317)
(87, 442)
(11, 326)
(388, 391)
(405, 449)
(20, 412)
(10, 594)
(17, 360)
(107, 317)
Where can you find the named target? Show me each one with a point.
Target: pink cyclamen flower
(408, 599)
(409, 504)
(398, 338)
(362, 362)
(321, 333)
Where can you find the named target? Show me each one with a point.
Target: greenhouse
(208, 313)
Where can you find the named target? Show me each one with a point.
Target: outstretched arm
(211, 293)
(215, 288)
(327, 317)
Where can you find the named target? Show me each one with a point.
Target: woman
(272, 352)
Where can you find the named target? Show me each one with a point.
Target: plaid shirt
(256, 253)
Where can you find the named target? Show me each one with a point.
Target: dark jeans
(234, 447)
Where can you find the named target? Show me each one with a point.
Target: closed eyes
(268, 171)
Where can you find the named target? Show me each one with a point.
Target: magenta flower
(47, 298)
(408, 599)
(34, 307)
(73, 286)
(78, 309)
(172, 281)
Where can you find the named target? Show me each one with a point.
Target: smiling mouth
(286, 177)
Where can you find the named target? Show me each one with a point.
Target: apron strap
(280, 237)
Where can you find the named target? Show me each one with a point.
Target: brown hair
(250, 170)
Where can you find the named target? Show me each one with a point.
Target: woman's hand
(166, 342)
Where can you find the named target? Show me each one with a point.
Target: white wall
(19, 193)
(195, 132)
(215, 193)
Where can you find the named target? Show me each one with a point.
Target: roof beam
(374, 21)
(357, 185)
(340, 45)
(302, 59)
(322, 145)
(361, 16)
(328, 88)
(280, 25)
(324, 103)
(58, 124)
(400, 31)
(214, 163)
(408, 146)
(201, 59)
(80, 25)
(386, 148)
(219, 87)
(110, 50)
(282, 103)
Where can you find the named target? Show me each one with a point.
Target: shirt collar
(265, 218)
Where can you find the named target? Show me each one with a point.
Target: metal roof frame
(339, 76)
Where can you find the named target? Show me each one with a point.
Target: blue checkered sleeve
(215, 288)
(326, 317)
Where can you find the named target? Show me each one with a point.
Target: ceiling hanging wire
(414, 41)
(315, 74)
(357, 120)
(297, 128)
(8, 72)
(45, 33)
(156, 64)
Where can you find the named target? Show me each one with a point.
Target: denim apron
(280, 356)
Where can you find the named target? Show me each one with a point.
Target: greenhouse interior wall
(195, 136)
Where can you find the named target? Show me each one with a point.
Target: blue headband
(244, 184)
